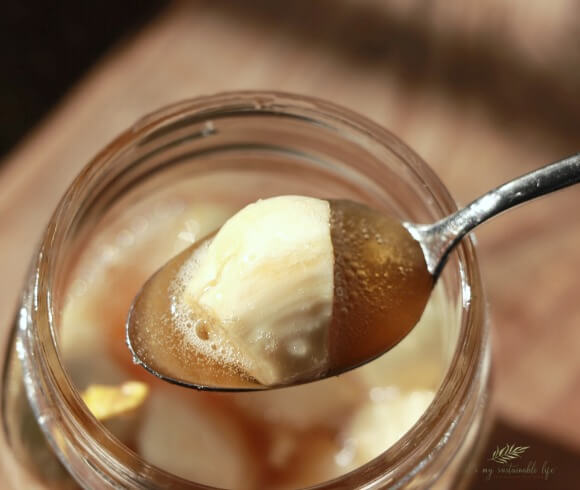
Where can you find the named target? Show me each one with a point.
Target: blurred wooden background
(482, 91)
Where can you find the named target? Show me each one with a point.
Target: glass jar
(267, 143)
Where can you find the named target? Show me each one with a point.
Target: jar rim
(41, 358)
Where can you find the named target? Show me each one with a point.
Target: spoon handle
(438, 239)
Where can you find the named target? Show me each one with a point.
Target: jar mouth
(45, 369)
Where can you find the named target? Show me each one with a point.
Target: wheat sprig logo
(507, 453)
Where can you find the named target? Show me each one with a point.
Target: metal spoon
(416, 256)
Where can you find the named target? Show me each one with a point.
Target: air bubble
(109, 254)
(125, 239)
(201, 330)
(139, 225)
(346, 455)
(298, 348)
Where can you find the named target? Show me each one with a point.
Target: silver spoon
(416, 256)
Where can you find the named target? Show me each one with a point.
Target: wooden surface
(481, 93)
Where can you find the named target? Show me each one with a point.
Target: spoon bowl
(380, 288)
(410, 258)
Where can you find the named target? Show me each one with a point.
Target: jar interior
(182, 179)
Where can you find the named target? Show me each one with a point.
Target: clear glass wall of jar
(267, 143)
